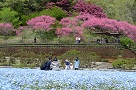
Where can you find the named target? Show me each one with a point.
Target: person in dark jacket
(48, 64)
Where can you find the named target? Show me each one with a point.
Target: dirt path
(104, 66)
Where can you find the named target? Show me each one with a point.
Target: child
(67, 64)
(71, 66)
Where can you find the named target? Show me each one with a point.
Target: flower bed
(35, 79)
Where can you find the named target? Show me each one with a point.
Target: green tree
(116, 9)
(24, 7)
(134, 12)
(126, 42)
(8, 15)
(56, 12)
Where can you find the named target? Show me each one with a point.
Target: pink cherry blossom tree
(69, 27)
(41, 22)
(83, 8)
(6, 29)
(76, 26)
(21, 29)
(110, 25)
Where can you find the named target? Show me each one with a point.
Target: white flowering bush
(35, 79)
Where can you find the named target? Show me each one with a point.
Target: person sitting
(55, 65)
(43, 66)
(48, 64)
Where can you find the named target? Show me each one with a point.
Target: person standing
(34, 39)
(71, 66)
(77, 40)
(76, 63)
(67, 64)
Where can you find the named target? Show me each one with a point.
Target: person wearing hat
(76, 63)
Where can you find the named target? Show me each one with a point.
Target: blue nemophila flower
(34, 79)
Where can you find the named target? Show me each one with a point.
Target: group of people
(50, 64)
(53, 64)
(70, 66)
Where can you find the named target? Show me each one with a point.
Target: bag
(43, 66)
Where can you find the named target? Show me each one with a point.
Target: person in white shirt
(79, 40)
(71, 66)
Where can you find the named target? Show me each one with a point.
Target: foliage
(117, 9)
(70, 27)
(25, 18)
(8, 15)
(75, 26)
(50, 35)
(23, 7)
(66, 5)
(6, 29)
(110, 25)
(118, 63)
(134, 11)
(55, 12)
(41, 22)
(86, 58)
(71, 54)
(126, 42)
(23, 65)
(25, 54)
(104, 60)
(83, 7)
(124, 63)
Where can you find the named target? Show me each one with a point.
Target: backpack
(43, 66)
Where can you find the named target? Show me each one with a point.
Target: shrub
(50, 35)
(25, 54)
(104, 60)
(126, 42)
(55, 12)
(86, 58)
(24, 66)
(129, 63)
(71, 55)
(124, 63)
(118, 63)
